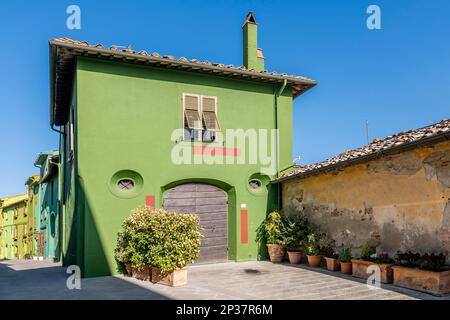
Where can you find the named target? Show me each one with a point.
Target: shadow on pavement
(44, 281)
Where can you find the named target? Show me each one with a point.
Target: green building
(144, 129)
(16, 228)
(47, 218)
(33, 211)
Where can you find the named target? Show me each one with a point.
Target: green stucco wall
(124, 117)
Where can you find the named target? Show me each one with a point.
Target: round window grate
(125, 184)
(254, 184)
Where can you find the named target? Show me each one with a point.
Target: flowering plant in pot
(274, 232)
(327, 245)
(368, 258)
(345, 259)
(312, 246)
(424, 272)
(159, 244)
(298, 228)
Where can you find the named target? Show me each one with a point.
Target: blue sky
(398, 77)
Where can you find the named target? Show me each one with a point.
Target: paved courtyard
(27, 279)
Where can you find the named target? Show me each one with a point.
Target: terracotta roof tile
(169, 57)
(391, 142)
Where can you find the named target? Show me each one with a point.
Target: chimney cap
(249, 19)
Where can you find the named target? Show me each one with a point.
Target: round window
(126, 184)
(257, 184)
(254, 184)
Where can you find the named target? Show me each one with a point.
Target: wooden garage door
(210, 203)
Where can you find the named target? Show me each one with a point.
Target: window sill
(200, 143)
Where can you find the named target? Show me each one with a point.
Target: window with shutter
(200, 117)
(209, 114)
(192, 119)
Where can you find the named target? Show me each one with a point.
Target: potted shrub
(345, 260)
(298, 228)
(123, 251)
(159, 244)
(313, 250)
(175, 244)
(370, 258)
(422, 272)
(327, 246)
(274, 233)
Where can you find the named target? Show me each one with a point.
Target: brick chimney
(253, 56)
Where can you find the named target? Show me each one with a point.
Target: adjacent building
(16, 228)
(393, 193)
(32, 184)
(147, 129)
(47, 220)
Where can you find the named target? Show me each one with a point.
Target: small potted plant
(274, 233)
(313, 250)
(298, 228)
(345, 260)
(327, 249)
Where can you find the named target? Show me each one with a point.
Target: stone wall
(398, 202)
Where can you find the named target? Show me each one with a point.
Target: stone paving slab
(28, 279)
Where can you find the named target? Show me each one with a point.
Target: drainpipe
(277, 160)
(56, 130)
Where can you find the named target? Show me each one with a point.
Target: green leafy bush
(162, 239)
(345, 255)
(298, 228)
(123, 250)
(432, 262)
(367, 251)
(273, 230)
(312, 244)
(327, 246)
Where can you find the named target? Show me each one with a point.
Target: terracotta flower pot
(346, 267)
(332, 264)
(434, 282)
(276, 252)
(314, 261)
(295, 257)
(359, 270)
(129, 268)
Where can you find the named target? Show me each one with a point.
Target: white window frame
(199, 132)
(199, 97)
(215, 111)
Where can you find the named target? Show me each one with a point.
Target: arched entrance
(211, 205)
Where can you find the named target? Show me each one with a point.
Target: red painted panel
(150, 201)
(244, 226)
(216, 151)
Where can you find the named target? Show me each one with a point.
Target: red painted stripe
(150, 201)
(244, 226)
(216, 151)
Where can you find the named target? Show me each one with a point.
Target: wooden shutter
(191, 106)
(209, 114)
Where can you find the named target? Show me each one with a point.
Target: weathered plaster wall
(399, 202)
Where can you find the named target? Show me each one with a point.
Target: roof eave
(142, 58)
(340, 165)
